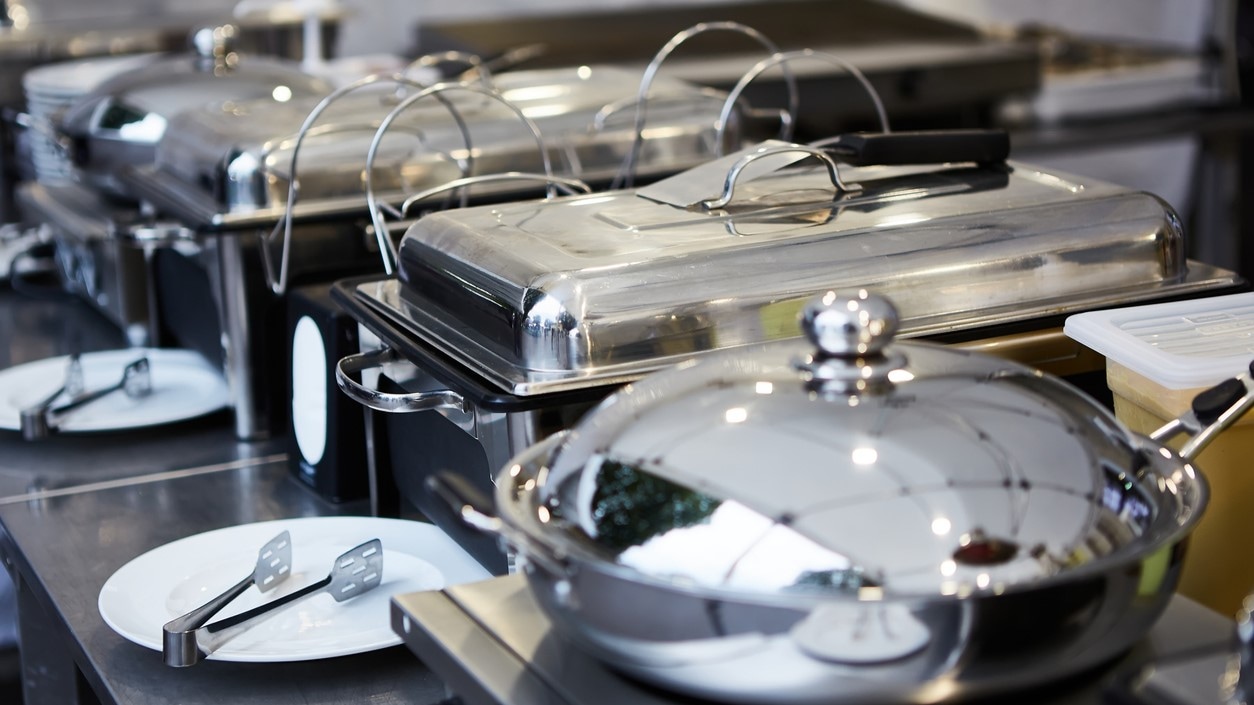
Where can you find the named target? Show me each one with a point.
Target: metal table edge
(429, 641)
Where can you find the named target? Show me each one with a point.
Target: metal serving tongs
(274, 565)
(355, 572)
(33, 417)
(43, 419)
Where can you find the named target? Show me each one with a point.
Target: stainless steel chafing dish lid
(848, 464)
(541, 296)
(230, 164)
(136, 106)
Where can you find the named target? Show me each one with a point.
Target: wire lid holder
(277, 281)
(387, 249)
(785, 58)
(626, 174)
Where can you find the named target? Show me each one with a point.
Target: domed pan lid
(858, 466)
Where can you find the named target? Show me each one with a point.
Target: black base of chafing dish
(409, 448)
(96, 263)
(492, 645)
(326, 448)
(215, 299)
(10, 172)
(414, 447)
(406, 449)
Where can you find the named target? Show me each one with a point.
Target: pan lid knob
(851, 331)
(850, 324)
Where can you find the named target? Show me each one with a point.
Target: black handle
(271, 606)
(1209, 405)
(920, 147)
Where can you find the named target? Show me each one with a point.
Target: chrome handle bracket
(392, 403)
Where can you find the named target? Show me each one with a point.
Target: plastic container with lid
(1157, 358)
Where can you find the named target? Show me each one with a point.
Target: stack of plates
(52, 89)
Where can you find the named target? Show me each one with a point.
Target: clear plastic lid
(1179, 345)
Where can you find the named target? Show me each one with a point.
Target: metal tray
(540, 296)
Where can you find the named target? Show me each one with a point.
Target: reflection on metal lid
(975, 475)
(646, 284)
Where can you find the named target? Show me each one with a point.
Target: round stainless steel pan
(864, 522)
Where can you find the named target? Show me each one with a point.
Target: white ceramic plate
(184, 386)
(173, 579)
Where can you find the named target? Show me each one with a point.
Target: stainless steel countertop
(37, 328)
(494, 646)
(75, 509)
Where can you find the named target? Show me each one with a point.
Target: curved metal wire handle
(473, 62)
(733, 174)
(476, 63)
(387, 250)
(567, 185)
(278, 281)
(610, 109)
(287, 141)
(626, 173)
(783, 58)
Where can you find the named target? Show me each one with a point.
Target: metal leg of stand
(384, 496)
(251, 423)
(154, 312)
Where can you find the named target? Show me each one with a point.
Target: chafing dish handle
(733, 174)
(386, 401)
(919, 147)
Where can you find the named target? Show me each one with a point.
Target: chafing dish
(224, 177)
(875, 520)
(94, 117)
(115, 113)
(36, 34)
(121, 122)
(513, 319)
